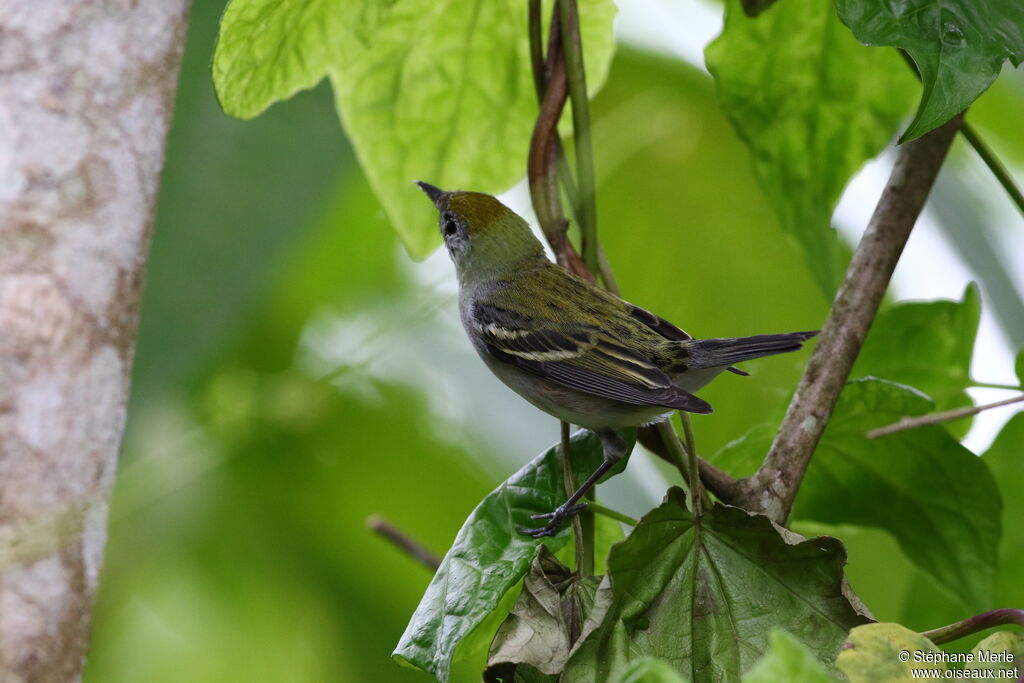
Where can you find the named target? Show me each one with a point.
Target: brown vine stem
(584, 559)
(546, 160)
(726, 487)
(572, 49)
(979, 622)
(542, 163)
(938, 418)
(773, 488)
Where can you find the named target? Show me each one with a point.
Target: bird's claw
(561, 512)
(558, 516)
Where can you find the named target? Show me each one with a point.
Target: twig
(572, 49)
(979, 622)
(403, 542)
(674, 449)
(773, 488)
(938, 418)
(680, 458)
(540, 81)
(697, 493)
(997, 167)
(546, 162)
(994, 385)
(544, 145)
(725, 487)
(583, 558)
(611, 514)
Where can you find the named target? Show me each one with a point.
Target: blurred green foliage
(238, 549)
(810, 129)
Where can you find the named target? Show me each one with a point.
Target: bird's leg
(614, 448)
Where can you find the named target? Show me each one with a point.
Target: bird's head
(483, 236)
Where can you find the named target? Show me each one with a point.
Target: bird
(569, 347)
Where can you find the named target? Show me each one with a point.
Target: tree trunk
(86, 94)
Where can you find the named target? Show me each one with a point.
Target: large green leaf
(926, 345)
(705, 594)
(440, 91)
(959, 46)
(813, 106)
(787, 660)
(489, 557)
(887, 652)
(937, 498)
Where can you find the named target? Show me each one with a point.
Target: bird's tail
(718, 353)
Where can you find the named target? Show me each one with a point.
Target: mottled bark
(772, 490)
(86, 94)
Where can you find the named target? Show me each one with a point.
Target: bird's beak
(435, 193)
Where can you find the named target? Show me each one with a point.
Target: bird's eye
(450, 227)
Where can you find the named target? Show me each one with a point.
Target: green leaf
(704, 594)
(650, 670)
(813, 106)
(1000, 651)
(876, 652)
(489, 557)
(1004, 459)
(787, 660)
(439, 91)
(545, 621)
(1019, 367)
(934, 496)
(926, 345)
(958, 45)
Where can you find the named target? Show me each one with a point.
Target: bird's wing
(668, 330)
(658, 324)
(580, 358)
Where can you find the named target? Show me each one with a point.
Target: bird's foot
(558, 516)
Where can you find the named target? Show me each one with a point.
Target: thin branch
(572, 48)
(674, 449)
(997, 167)
(698, 497)
(611, 514)
(725, 487)
(681, 459)
(535, 29)
(544, 152)
(583, 558)
(938, 418)
(994, 385)
(979, 622)
(773, 488)
(546, 160)
(540, 81)
(403, 542)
